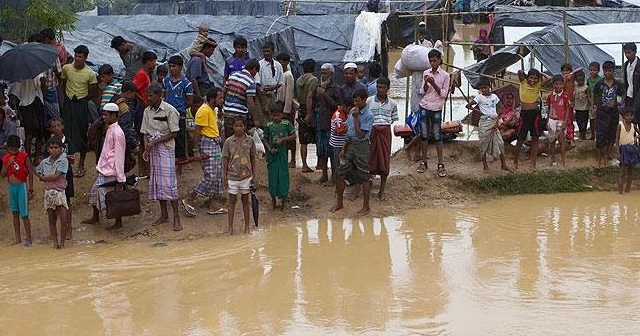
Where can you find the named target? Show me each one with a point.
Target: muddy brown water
(534, 265)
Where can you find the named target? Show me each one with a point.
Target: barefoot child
(629, 152)
(530, 87)
(53, 171)
(16, 167)
(238, 162)
(594, 77)
(559, 118)
(56, 127)
(276, 135)
(581, 104)
(569, 85)
(385, 112)
(337, 140)
(606, 94)
(491, 142)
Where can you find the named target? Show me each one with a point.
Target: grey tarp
(551, 57)
(516, 16)
(325, 40)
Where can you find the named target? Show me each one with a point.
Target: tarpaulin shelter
(551, 55)
(335, 39)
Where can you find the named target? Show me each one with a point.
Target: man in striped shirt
(110, 87)
(385, 113)
(239, 95)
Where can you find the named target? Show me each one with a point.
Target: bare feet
(292, 164)
(162, 219)
(381, 196)
(92, 220)
(273, 203)
(114, 227)
(336, 207)
(177, 226)
(507, 168)
(306, 169)
(16, 242)
(363, 212)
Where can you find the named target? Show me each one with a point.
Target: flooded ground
(534, 265)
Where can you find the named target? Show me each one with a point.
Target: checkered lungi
(163, 183)
(211, 183)
(97, 194)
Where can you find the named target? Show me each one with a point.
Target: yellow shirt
(207, 120)
(78, 81)
(530, 94)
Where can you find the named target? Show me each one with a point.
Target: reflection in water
(556, 265)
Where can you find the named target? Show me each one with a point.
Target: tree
(20, 18)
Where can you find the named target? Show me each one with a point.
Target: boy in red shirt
(17, 168)
(559, 118)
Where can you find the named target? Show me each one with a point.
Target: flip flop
(441, 171)
(422, 168)
(189, 209)
(220, 211)
(81, 172)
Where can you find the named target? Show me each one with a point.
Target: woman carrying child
(491, 143)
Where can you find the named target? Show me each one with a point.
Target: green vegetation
(548, 181)
(21, 18)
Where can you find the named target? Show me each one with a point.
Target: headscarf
(484, 39)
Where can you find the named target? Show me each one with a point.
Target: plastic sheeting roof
(516, 16)
(327, 39)
(551, 57)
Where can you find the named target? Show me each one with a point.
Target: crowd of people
(156, 115)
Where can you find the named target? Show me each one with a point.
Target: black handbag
(122, 202)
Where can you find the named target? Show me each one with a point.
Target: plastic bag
(400, 71)
(413, 120)
(256, 135)
(415, 57)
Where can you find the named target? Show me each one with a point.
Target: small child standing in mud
(53, 171)
(56, 127)
(629, 152)
(238, 162)
(277, 133)
(17, 168)
(491, 142)
(559, 118)
(607, 94)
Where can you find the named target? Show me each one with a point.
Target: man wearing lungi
(210, 185)
(79, 83)
(385, 113)
(159, 128)
(354, 158)
(110, 165)
(268, 80)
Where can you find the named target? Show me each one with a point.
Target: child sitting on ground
(276, 134)
(17, 168)
(53, 171)
(491, 142)
(629, 152)
(238, 162)
(559, 118)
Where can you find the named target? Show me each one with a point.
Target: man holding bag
(110, 166)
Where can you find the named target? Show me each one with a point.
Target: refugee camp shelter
(335, 39)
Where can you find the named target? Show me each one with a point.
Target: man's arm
(288, 95)
(521, 76)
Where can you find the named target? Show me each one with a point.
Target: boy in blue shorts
(17, 168)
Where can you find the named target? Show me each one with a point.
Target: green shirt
(592, 83)
(273, 132)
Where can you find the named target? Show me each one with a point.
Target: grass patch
(548, 182)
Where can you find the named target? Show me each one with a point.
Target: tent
(551, 57)
(335, 39)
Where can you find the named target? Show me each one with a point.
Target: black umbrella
(255, 206)
(27, 61)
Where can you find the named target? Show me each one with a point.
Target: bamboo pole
(566, 36)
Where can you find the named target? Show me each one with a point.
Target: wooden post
(566, 36)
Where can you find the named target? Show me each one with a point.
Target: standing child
(606, 96)
(594, 77)
(277, 134)
(491, 142)
(581, 104)
(161, 72)
(629, 152)
(559, 118)
(337, 139)
(238, 162)
(16, 167)
(56, 127)
(53, 171)
(568, 88)
(530, 88)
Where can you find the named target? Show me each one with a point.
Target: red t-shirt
(142, 80)
(558, 105)
(18, 168)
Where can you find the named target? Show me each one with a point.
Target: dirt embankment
(465, 185)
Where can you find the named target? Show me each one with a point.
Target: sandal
(81, 172)
(189, 209)
(220, 211)
(422, 168)
(441, 171)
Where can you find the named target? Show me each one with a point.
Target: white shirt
(27, 90)
(487, 104)
(630, 68)
(267, 77)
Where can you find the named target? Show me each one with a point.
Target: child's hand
(279, 142)
(274, 151)
(12, 159)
